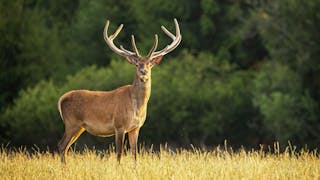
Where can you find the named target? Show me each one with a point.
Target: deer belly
(99, 129)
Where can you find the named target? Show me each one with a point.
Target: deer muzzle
(144, 78)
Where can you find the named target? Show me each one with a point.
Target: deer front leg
(119, 143)
(133, 140)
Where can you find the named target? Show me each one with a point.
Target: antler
(152, 53)
(122, 51)
(176, 40)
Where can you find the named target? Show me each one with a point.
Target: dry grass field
(165, 164)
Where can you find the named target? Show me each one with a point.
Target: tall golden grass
(165, 164)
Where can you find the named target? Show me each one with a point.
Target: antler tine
(176, 40)
(154, 47)
(109, 41)
(134, 47)
(126, 51)
(165, 30)
(177, 27)
(115, 34)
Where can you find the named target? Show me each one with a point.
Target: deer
(119, 111)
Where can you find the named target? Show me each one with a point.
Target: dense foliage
(246, 72)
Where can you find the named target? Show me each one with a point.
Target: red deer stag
(116, 112)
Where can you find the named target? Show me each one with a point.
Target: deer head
(143, 64)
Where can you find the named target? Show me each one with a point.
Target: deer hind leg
(69, 137)
(133, 140)
(120, 134)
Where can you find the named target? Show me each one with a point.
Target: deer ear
(156, 60)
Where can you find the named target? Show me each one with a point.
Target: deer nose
(143, 71)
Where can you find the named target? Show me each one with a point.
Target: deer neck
(141, 92)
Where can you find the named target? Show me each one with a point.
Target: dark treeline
(246, 71)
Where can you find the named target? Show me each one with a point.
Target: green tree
(289, 113)
(10, 13)
(289, 30)
(31, 48)
(213, 26)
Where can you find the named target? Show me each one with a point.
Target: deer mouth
(144, 78)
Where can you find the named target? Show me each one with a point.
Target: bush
(195, 99)
(286, 108)
(34, 118)
(198, 99)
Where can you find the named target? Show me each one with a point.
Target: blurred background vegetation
(246, 71)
